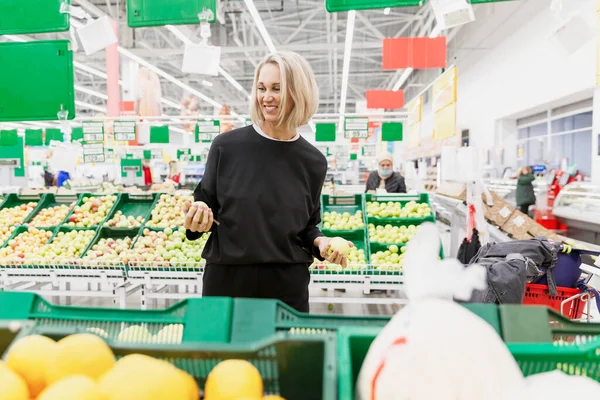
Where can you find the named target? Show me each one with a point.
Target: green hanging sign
(207, 130)
(131, 166)
(356, 127)
(391, 131)
(125, 131)
(13, 157)
(347, 5)
(77, 134)
(34, 137)
(142, 13)
(8, 137)
(325, 132)
(93, 132)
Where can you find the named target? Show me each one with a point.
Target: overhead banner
(444, 105)
(413, 133)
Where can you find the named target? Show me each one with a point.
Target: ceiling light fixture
(207, 83)
(170, 103)
(91, 92)
(386, 11)
(260, 25)
(346, 67)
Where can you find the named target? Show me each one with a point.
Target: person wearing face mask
(385, 177)
(262, 183)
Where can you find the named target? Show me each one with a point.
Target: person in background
(49, 178)
(385, 177)
(147, 172)
(63, 176)
(174, 173)
(525, 194)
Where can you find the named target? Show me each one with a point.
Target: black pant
(525, 208)
(288, 283)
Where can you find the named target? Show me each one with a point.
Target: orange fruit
(76, 387)
(30, 358)
(232, 380)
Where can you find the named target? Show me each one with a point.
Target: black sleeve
(372, 181)
(206, 190)
(402, 185)
(311, 232)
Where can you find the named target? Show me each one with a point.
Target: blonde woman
(263, 184)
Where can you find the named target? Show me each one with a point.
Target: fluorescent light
(346, 67)
(91, 92)
(90, 106)
(14, 38)
(260, 25)
(170, 103)
(403, 79)
(168, 77)
(172, 128)
(386, 11)
(91, 70)
(230, 79)
(207, 83)
(179, 34)
(435, 31)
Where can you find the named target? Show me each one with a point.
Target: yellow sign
(413, 131)
(444, 105)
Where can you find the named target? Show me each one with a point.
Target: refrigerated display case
(578, 206)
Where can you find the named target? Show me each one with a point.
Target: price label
(369, 150)
(131, 168)
(93, 132)
(92, 158)
(93, 152)
(125, 131)
(10, 162)
(207, 130)
(356, 128)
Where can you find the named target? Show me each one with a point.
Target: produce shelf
(403, 199)
(50, 200)
(14, 200)
(19, 230)
(135, 205)
(80, 203)
(343, 204)
(112, 233)
(194, 320)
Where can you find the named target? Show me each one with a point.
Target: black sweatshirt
(266, 194)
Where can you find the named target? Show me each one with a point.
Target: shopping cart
(573, 293)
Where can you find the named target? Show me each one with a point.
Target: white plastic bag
(557, 385)
(434, 348)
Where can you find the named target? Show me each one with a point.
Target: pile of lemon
(83, 367)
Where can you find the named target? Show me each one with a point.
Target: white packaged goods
(434, 348)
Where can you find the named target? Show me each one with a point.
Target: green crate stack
(194, 320)
(135, 205)
(80, 203)
(403, 199)
(377, 246)
(50, 200)
(340, 205)
(354, 269)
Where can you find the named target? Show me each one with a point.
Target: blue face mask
(385, 172)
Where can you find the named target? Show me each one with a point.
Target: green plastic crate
(14, 200)
(50, 200)
(255, 319)
(134, 205)
(80, 202)
(342, 204)
(193, 320)
(403, 199)
(297, 367)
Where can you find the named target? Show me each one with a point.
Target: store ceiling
(303, 26)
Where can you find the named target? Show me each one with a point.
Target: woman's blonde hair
(298, 85)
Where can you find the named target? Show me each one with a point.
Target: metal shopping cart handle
(568, 249)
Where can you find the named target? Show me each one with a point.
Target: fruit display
(5, 232)
(172, 334)
(26, 245)
(67, 246)
(168, 247)
(394, 209)
(109, 249)
(343, 221)
(248, 383)
(51, 216)
(83, 366)
(92, 211)
(356, 260)
(391, 259)
(391, 234)
(168, 211)
(11, 216)
(119, 220)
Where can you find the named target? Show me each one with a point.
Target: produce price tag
(93, 152)
(93, 132)
(125, 131)
(10, 162)
(207, 130)
(356, 128)
(369, 150)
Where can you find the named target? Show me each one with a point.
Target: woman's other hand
(198, 216)
(335, 256)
